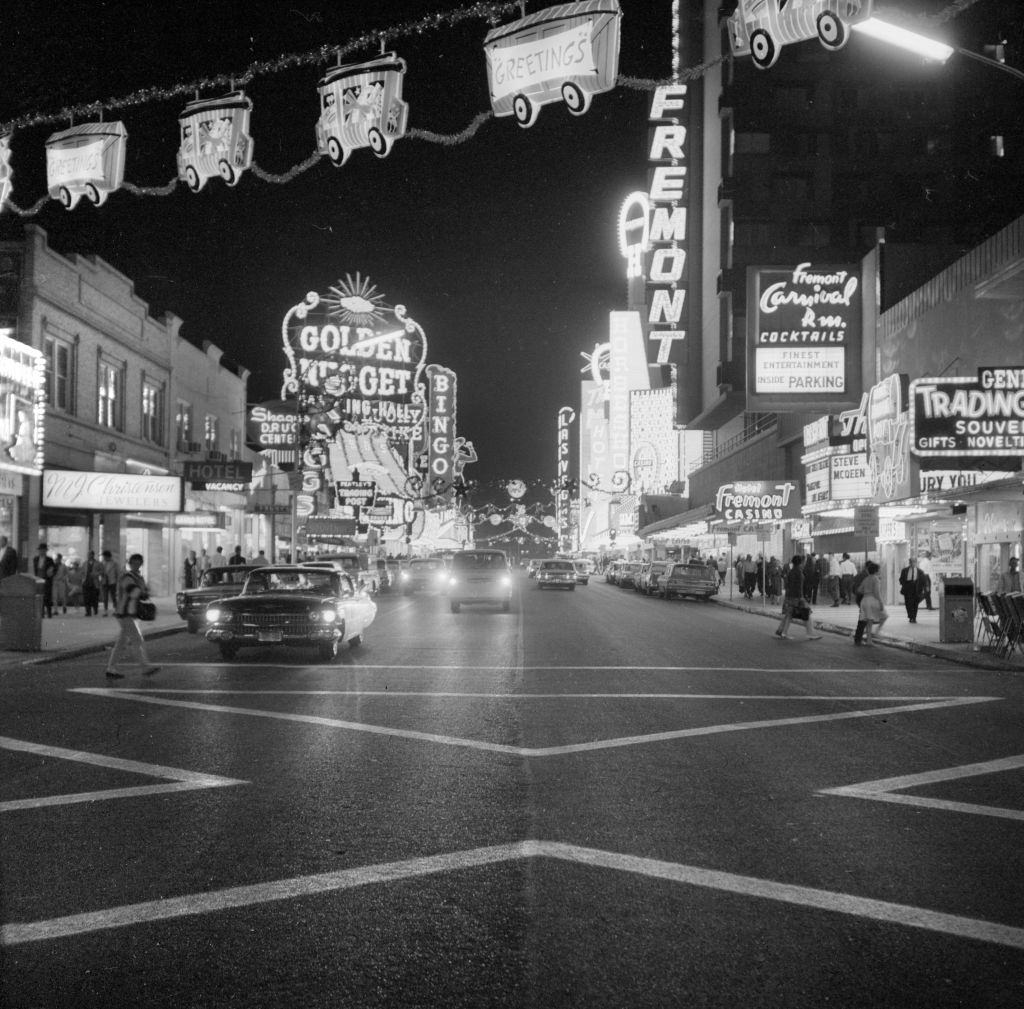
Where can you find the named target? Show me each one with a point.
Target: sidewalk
(921, 637)
(74, 633)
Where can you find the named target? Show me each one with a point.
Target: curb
(73, 653)
(972, 659)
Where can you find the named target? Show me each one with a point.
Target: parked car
(628, 573)
(582, 572)
(423, 574)
(297, 605)
(687, 579)
(650, 572)
(480, 576)
(214, 584)
(556, 574)
(611, 573)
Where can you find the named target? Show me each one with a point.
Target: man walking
(811, 579)
(110, 577)
(912, 582)
(219, 560)
(847, 572)
(925, 566)
(236, 558)
(794, 602)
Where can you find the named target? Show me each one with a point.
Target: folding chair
(1002, 612)
(1015, 604)
(987, 630)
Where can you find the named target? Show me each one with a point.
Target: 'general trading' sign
(803, 338)
(975, 416)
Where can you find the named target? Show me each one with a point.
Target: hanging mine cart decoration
(215, 140)
(759, 29)
(566, 53)
(361, 106)
(86, 160)
(5, 168)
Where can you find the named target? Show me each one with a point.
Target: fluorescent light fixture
(920, 44)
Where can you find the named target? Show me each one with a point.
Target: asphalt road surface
(595, 800)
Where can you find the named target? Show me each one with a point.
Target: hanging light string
(490, 12)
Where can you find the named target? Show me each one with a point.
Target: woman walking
(872, 609)
(129, 652)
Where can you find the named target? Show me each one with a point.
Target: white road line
(306, 886)
(357, 667)
(512, 696)
(522, 751)
(887, 789)
(181, 780)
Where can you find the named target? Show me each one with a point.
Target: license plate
(268, 636)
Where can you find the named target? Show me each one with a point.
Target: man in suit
(912, 586)
(43, 566)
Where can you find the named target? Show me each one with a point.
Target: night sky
(503, 247)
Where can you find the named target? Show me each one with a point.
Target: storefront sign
(11, 483)
(199, 520)
(850, 476)
(321, 527)
(804, 337)
(22, 406)
(757, 501)
(354, 492)
(357, 359)
(888, 440)
(865, 520)
(231, 475)
(982, 416)
(817, 482)
(441, 384)
(273, 425)
(942, 481)
(111, 492)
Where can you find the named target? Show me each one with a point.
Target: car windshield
(315, 580)
(225, 576)
(427, 565)
(558, 566)
(479, 562)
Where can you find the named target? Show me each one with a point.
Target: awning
(701, 514)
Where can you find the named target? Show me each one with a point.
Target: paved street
(595, 800)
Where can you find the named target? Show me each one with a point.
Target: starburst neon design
(355, 302)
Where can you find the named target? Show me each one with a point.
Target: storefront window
(110, 385)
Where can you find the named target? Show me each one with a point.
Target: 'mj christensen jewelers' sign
(118, 492)
(803, 338)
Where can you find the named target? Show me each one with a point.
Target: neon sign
(440, 428)
(981, 416)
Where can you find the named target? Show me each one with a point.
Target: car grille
(292, 623)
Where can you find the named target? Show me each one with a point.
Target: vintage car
(688, 579)
(480, 576)
(423, 574)
(629, 571)
(353, 564)
(582, 572)
(556, 573)
(761, 27)
(531, 568)
(294, 605)
(650, 572)
(214, 584)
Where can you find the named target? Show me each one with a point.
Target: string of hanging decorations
(567, 53)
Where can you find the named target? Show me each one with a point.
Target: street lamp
(929, 48)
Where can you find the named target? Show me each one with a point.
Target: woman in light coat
(129, 652)
(872, 609)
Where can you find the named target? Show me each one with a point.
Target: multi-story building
(116, 385)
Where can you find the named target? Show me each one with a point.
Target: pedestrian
(60, 584)
(8, 559)
(912, 581)
(1009, 581)
(862, 624)
(760, 574)
(260, 559)
(847, 572)
(44, 568)
(794, 606)
(723, 566)
(190, 570)
(129, 651)
(108, 593)
(92, 582)
(204, 563)
(774, 580)
(749, 576)
(76, 580)
(925, 564)
(872, 609)
(218, 560)
(811, 579)
(236, 558)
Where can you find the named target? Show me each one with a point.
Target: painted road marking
(513, 667)
(180, 780)
(346, 879)
(513, 696)
(150, 697)
(887, 789)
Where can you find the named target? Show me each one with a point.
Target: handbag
(145, 610)
(802, 612)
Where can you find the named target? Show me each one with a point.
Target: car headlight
(328, 616)
(404, 576)
(506, 580)
(453, 582)
(213, 614)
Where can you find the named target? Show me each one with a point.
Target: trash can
(21, 613)
(956, 610)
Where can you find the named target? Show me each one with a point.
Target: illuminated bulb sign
(565, 418)
(22, 406)
(359, 360)
(803, 338)
(653, 226)
(757, 501)
(441, 386)
(6, 172)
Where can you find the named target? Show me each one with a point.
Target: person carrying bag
(129, 651)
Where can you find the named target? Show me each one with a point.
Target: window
(60, 373)
(152, 412)
(110, 398)
(183, 423)
(236, 444)
(211, 434)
